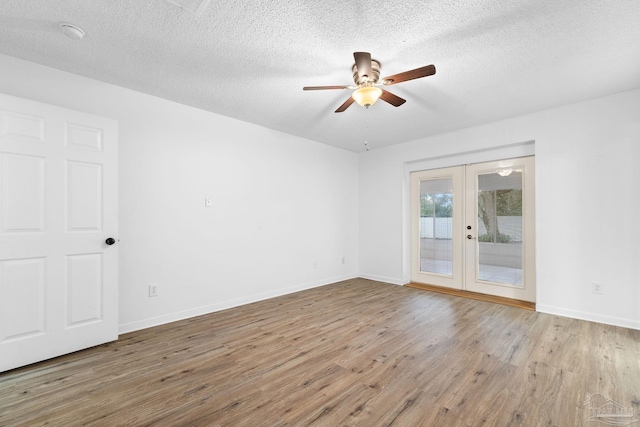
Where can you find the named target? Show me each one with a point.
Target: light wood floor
(355, 353)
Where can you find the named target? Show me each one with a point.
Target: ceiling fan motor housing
(373, 79)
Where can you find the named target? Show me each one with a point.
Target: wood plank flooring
(354, 353)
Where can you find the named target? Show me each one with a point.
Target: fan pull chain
(366, 131)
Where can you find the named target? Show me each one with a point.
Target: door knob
(469, 236)
(110, 241)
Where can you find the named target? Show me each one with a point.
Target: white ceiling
(250, 59)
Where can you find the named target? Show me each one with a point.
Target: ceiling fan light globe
(366, 96)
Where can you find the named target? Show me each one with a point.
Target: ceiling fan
(366, 75)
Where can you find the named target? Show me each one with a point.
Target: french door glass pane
(436, 249)
(500, 227)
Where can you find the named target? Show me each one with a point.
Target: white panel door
(58, 207)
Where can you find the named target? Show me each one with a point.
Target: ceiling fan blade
(324, 87)
(392, 99)
(346, 105)
(425, 71)
(363, 64)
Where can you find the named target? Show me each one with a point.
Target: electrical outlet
(597, 288)
(153, 290)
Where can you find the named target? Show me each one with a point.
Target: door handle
(469, 236)
(110, 241)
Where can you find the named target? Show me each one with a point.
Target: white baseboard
(392, 280)
(592, 317)
(211, 308)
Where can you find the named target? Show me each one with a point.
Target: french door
(473, 228)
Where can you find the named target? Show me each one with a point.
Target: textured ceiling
(250, 59)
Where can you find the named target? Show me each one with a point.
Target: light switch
(208, 202)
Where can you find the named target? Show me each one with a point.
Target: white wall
(587, 168)
(284, 214)
(172, 156)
